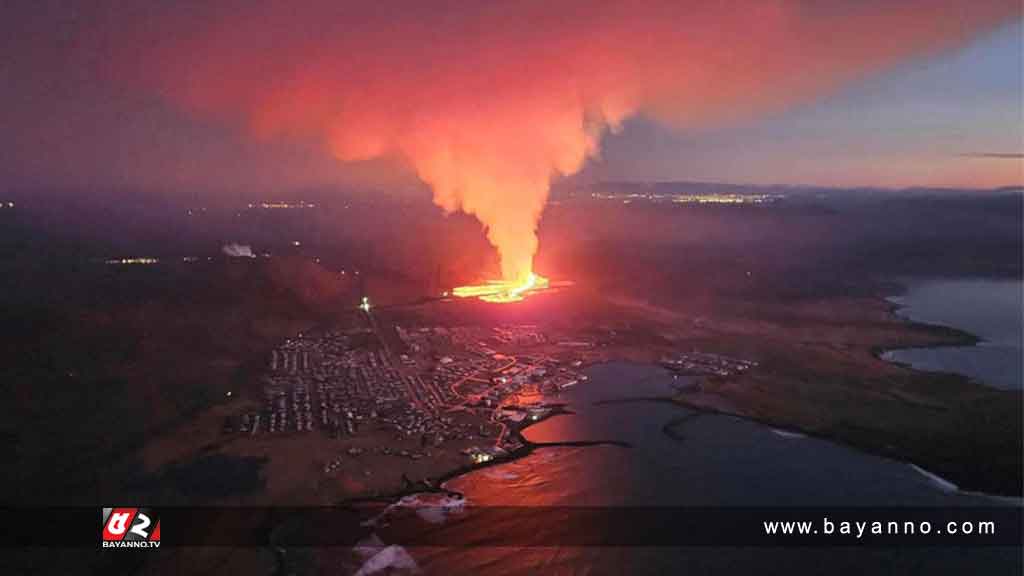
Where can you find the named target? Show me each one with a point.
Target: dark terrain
(99, 359)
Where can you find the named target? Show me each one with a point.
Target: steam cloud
(488, 101)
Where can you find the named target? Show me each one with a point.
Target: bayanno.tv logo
(131, 528)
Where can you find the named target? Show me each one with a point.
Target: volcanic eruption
(503, 291)
(488, 101)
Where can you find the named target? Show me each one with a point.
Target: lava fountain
(503, 291)
(489, 102)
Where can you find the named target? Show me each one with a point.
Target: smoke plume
(488, 101)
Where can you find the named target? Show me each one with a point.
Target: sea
(989, 309)
(670, 458)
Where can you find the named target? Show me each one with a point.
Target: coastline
(942, 400)
(908, 451)
(796, 433)
(436, 485)
(826, 354)
(962, 338)
(408, 497)
(988, 310)
(701, 403)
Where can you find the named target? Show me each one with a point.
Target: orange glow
(488, 102)
(503, 291)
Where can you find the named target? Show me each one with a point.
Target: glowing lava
(503, 291)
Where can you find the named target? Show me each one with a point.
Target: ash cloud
(488, 102)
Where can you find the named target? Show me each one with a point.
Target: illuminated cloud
(489, 101)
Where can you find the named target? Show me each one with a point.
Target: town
(706, 364)
(429, 384)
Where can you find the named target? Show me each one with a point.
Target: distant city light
(125, 261)
(365, 305)
(724, 198)
(281, 205)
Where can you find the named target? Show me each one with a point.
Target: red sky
(484, 102)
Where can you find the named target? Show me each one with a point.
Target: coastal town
(431, 385)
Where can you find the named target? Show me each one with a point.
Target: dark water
(989, 309)
(677, 458)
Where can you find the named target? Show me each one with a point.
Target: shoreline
(908, 435)
(796, 432)
(436, 485)
(967, 341)
(713, 403)
(795, 380)
(965, 338)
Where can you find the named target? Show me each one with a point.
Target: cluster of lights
(482, 457)
(281, 205)
(502, 291)
(133, 261)
(6, 205)
(692, 198)
(726, 198)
